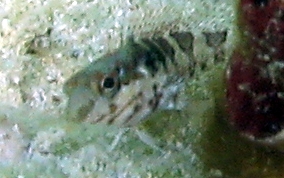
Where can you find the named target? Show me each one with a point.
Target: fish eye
(261, 2)
(108, 83)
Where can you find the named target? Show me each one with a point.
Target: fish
(146, 74)
(254, 76)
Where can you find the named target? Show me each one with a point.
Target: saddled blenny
(145, 75)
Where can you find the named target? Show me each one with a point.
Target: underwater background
(42, 43)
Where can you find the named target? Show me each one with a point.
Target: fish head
(120, 89)
(98, 84)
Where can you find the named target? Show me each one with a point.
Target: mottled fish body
(126, 86)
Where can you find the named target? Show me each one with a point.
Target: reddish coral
(255, 75)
